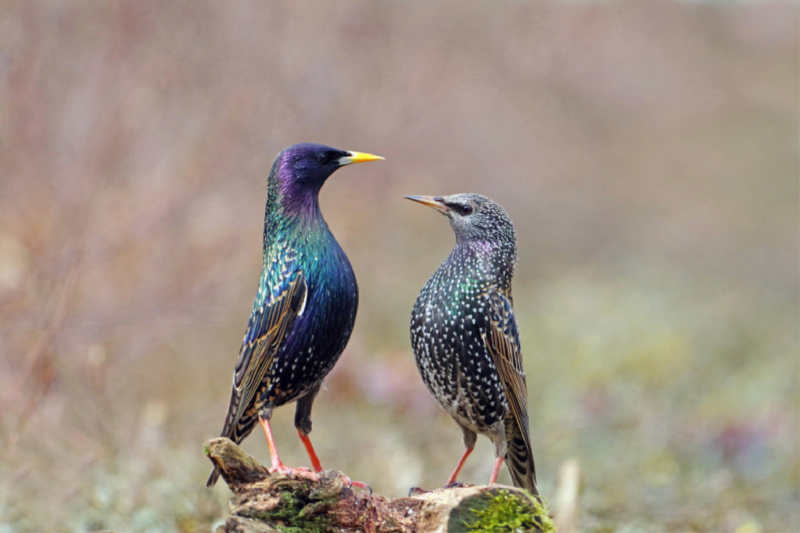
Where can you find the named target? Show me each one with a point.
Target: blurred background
(647, 152)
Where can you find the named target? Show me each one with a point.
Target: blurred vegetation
(646, 151)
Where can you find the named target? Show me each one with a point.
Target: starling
(465, 337)
(305, 306)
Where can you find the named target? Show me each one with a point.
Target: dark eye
(322, 158)
(465, 210)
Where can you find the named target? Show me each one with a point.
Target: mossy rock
(294, 505)
(264, 503)
(499, 510)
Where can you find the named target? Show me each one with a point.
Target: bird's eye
(465, 210)
(322, 158)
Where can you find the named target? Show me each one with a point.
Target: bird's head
(474, 218)
(302, 169)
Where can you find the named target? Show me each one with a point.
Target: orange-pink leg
(315, 464)
(311, 453)
(277, 464)
(454, 475)
(496, 471)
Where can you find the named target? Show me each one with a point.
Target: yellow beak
(435, 202)
(358, 157)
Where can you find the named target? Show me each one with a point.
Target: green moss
(299, 510)
(501, 511)
(205, 449)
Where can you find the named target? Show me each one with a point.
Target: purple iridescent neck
(298, 194)
(292, 199)
(497, 257)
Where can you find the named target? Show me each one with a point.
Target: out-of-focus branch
(17, 400)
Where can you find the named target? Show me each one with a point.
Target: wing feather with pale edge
(266, 331)
(502, 341)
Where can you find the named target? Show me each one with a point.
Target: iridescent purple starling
(465, 337)
(305, 306)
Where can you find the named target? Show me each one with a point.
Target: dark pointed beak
(358, 157)
(435, 202)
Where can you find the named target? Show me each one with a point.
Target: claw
(414, 491)
(454, 485)
(362, 486)
(359, 484)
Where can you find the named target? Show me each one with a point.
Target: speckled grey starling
(465, 337)
(305, 306)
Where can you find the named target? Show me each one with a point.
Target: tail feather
(519, 458)
(236, 434)
(212, 478)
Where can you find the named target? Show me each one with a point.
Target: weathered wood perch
(265, 503)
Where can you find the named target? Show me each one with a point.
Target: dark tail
(237, 434)
(212, 479)
(519, 459)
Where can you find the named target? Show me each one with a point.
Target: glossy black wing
(285, 299)
(268, 326)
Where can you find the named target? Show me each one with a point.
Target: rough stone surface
(265, 503)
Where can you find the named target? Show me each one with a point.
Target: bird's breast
(447, 331)
(320, 333)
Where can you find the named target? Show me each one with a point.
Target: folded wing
(502, 341)
(267, 329)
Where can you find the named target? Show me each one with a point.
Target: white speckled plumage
(465, 337)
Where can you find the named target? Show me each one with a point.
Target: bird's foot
(300, 472)
(360, 484)
(415, 491)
